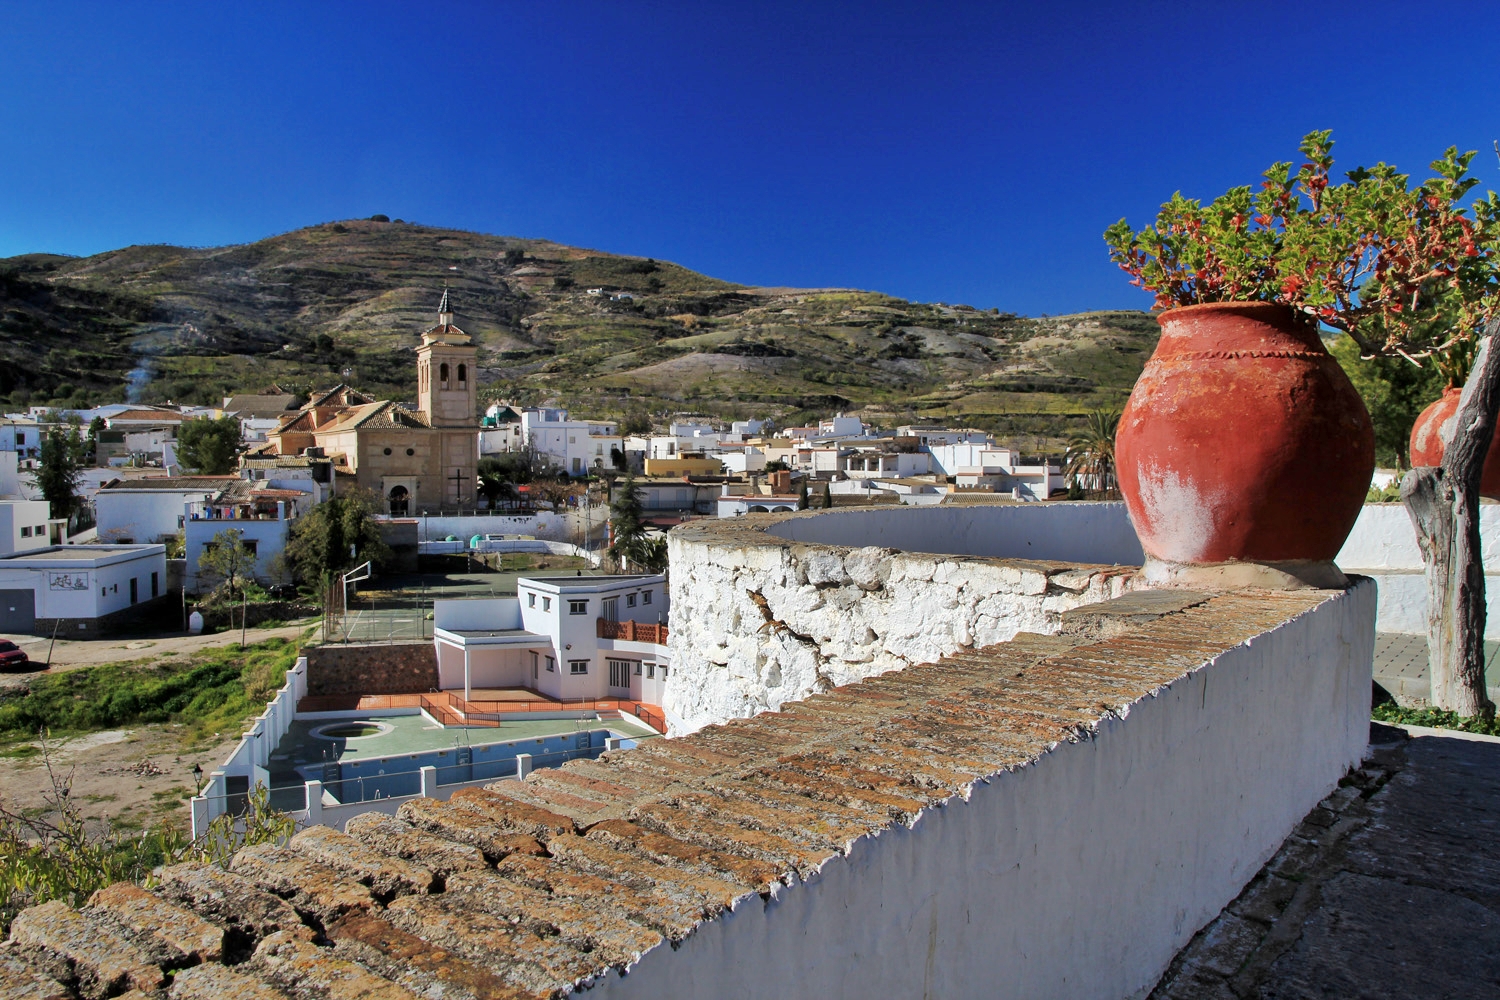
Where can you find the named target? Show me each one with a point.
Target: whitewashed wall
(1383, 545)
(757, 621)
(1079, 876)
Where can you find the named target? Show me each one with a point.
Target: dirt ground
(135, 776)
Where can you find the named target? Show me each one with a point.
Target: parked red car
(12, 655)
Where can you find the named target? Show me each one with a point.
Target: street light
(197, 779)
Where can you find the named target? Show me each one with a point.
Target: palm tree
(1091, 453)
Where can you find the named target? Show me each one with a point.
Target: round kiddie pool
(358, 729)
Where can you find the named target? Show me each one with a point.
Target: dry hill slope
(305, 307)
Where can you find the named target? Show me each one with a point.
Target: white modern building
(262, 515)
(575, 446)
(565, 637)
(999, 469)
(78, 590)
(151, 509)
(27, 525)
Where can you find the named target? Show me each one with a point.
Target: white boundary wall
(1079, 876)
(1383, 545)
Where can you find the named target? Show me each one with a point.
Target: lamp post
(197, 779)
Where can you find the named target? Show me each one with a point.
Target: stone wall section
(758, 621)
(375, 668)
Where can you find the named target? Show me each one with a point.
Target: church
(422, 459)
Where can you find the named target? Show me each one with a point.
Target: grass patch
(1434, 718)
(214, 691)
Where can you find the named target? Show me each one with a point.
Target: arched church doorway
(400, 501)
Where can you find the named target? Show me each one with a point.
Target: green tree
(208, 446)
(1395, 392)
(227, 558)
(1091, 453)
(59, 471)
(827, 497)
(637, 421)
(802, 496)
(627, 527)
(337, 534)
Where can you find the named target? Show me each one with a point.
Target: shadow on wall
(1092, 533)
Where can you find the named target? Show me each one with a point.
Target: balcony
(632, 631)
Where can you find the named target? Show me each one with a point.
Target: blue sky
(952, 152)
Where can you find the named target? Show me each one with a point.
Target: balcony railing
(632, 631)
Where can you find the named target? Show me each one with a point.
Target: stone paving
(1389, 888)
(1401, 667)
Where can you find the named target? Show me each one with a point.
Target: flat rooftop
(79, 553)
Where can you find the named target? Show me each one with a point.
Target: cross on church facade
(457, 479)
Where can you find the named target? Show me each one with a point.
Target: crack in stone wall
(758, 621)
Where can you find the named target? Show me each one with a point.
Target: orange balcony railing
(633, 631)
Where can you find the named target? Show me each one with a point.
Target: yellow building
(422, 459)
(684, 467)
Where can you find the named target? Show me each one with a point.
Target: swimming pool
(380, 755)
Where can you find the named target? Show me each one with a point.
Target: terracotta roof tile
(529, 889)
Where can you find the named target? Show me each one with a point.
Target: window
(534, 661)
(546, 604)
(578, 607)
(443, 374)
(387, 451)
(410, 452)
(25, 531)
(134, 590)
(650, 671)
(551, 664)
(630, 600)
(155, 584)
(663, 671)
(531, 601)
(463, 376)
(645, 597)
(611, 609)
(578, 666)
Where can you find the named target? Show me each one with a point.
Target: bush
(562, 281)
(380, 218)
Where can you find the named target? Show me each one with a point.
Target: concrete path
(1401, 667)
(1389, 888)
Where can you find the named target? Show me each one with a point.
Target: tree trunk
(1444, 506)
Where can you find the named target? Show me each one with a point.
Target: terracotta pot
(1427, 443)
(1243, 441)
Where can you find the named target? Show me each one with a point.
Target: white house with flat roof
(26, 525)
(565, 637)
(79, 590)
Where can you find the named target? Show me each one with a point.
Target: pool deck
(450, 708)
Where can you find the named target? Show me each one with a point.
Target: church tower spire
(445, 311)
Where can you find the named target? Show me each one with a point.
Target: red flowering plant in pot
(1244, 452)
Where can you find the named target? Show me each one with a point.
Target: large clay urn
(1432, 432)
(1244, 453)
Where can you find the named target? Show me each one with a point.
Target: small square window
(546, 604)
(578, 666)
(25, 531)
(650, 671)
(645, 597)
(638, 668)
(630, 600)
(578, 607)
(531, 600)
(551, 664)
(663, 671)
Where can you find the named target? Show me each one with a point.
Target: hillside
(305, 307)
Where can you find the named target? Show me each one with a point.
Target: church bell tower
(447, 392)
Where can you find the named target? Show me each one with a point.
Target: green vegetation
(336, 535)
(208, 446)
(59, 472)
(213, 692)
(1434, 718)
(1395, 392)
(60, 855)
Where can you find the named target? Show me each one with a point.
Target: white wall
(23, 525)
(143, 516)
(756, 623)
(477, 613)
(1077, 876)
(96, 586)
(270, 538)
(1383, 545)
(1066, 532)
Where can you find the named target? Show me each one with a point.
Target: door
(611, 609)
(619, 675)
(134, 590)
(17, 610)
